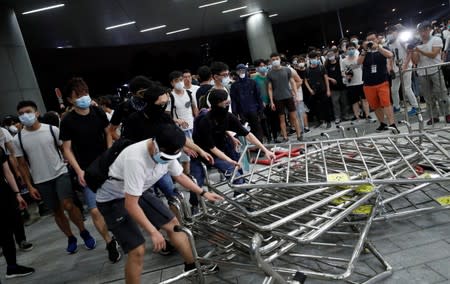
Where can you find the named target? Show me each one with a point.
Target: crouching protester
(125, 201)
(211, 133)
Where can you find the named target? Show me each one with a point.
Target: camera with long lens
(370, 45)
(349, 73)
(413, 43)
(410, 39)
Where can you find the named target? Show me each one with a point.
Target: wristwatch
(203, 192)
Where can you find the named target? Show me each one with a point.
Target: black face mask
(219, 112)
(152, 110)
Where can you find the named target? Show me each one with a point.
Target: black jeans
(321, 104)
(8, 211)
(254, 120)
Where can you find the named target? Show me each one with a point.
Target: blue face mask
(351, 52)
(83, 102)
(28, 119)
(263, 69)
(158, 159)
(315, 61)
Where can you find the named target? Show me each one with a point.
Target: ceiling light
(43, 9)
(420, 12)
(347, 31)
(120, 25)
(443, 4)
(234, 9)
(252, 13)
(273, 15)
(153, 28)
(212, 4)
(177, 31)
(393, 10)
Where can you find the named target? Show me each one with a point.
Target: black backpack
(97, 172)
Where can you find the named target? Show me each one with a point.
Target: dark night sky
(106, 68)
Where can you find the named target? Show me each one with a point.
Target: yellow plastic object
(364, 188)
(339, 177)
(363, 210)
(444, 200)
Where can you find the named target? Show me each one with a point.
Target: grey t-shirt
(45, 162)
(280, 83)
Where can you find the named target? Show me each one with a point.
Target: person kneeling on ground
(125, 202)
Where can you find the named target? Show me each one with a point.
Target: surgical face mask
(331, 57)
(314, 61)
(225, 80)
(262, 69)
(295, 62)
(83, 102)
(179, 86)
(351, 52)
(212, 82)
(158, 159)
(242, 75)
(355, 41)
(13, 129)
(276, 63)
(28, 119)
(301, 64)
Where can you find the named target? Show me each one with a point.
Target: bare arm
(108, 137)
(113, 131)
(327, 84)
(221, 155)
(434, 52)
(70, 157)
(386, 53)
(309, 87)
(25, 171)
(253, 140)
(12, 183)
(191, 145)
(293, 86)
(187, 183)
(270, 92)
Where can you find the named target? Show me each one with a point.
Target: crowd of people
(197, 120)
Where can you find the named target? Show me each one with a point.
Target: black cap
(139, 83)
(217, 96)
(170, 138)
(153, 91)
(424, 25)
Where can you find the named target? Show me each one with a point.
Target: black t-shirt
(202, 91)
(140, 126)
(334, 71)
(5, 190)
(87, 134)
(208, 133)
(374, 69)
(316, 80)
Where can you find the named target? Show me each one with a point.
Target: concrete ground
(418, 249)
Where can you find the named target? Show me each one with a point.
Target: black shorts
(355, 94)
(282, 105)
(123, 226)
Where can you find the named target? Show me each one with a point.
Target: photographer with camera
(352, 77)
(374, 59)
(398, 44)
(431, 80)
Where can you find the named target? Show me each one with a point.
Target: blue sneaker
(89, 241)
(72, 246)
(412, 112)
(396, 109)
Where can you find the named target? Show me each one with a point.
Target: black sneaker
(18, 271)
(382, 127)
(306, 130)
(25, 246)
(114, 254)
(206, 268)
(170, 249)
(328, 125)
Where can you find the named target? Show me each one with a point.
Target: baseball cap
(423, 25)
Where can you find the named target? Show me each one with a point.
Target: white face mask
(179, 86)
(242, 76)
(225, 80)
(301, 64)
(13, 129)
(212, 82)
(276, 63)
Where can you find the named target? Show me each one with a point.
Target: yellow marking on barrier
(341, 200)
(339, 177)
(364, 188)
(443, 200)
(363, 210)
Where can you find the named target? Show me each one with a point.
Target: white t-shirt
(446, 36)
(134, 171)
(402, 52)
(425, 60)
(352, 63)
(109, 115)
(183, 108)
(45, 162)
(5, 137)
(193, 90)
